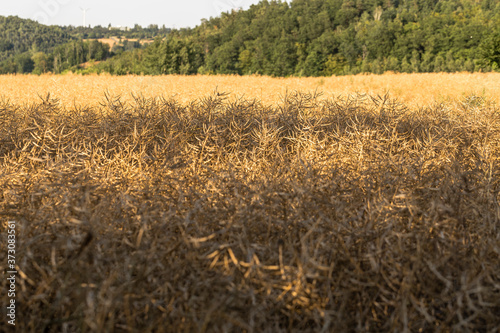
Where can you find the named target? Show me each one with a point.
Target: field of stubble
(252, 204)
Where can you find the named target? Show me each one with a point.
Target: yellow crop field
(413, 89)
(251, 204)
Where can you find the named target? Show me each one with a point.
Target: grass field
(301, 206)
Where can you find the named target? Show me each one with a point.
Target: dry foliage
(339, 214)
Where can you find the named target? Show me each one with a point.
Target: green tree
(405, 66)
(415, 62)
(469, 65)
(154, 58)
(24, 63)
(490, 51)
(451, 65)
(245, 61)
(40, 62)
(439, 64)
(427, 64)
(392, 64)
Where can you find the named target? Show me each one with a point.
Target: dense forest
(303, 38)
(30, 47)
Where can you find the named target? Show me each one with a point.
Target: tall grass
(352, 213)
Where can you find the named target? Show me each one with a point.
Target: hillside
(27, 46)
(325, 37)
(300, 38)
(19, 37)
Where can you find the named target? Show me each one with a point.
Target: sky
(171, 13)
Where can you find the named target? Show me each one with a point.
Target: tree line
(300, 38)
(329, 37)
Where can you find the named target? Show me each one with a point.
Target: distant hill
(327, 37)
(301, 38)
(27, 46)
(20, 35)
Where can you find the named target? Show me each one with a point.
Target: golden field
(285, 210)
(413, 89)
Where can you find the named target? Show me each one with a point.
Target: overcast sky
(177, 14)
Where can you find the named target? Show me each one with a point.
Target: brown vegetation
(314, 214)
